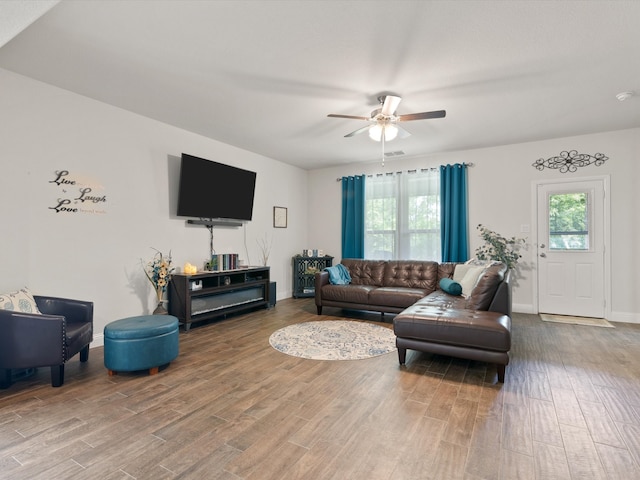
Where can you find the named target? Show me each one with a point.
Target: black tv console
(207, 295)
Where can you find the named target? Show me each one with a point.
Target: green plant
(497, 247)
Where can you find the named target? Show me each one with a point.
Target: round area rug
(334, 340)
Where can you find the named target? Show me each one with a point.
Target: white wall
(44, 129)
(500, 197)
(96, 256)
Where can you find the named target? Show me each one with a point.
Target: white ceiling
(263, 75)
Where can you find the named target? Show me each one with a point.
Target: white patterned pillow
(20, 301)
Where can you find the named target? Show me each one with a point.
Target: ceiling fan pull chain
(384, 134)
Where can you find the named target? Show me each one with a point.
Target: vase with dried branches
(265, 248)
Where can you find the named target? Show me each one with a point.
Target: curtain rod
(407, 171)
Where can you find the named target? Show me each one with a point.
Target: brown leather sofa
(476, 327)
(381, 286)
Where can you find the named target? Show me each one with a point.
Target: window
(569, 221)
(402, 216)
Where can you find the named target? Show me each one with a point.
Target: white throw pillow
(20, 301)
(470, 278)
(459, 271)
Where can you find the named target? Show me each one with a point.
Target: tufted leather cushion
(465, 328)
(486, 286)
(446, 270)
(396, 296)
(443, 300)
(365, 272)
(347, 293)
(409, 274)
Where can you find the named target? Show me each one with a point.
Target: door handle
(543, 255)
(542, 245)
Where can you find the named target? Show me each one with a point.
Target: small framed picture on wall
(279, 217)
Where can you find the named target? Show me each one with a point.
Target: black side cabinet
(304, 271)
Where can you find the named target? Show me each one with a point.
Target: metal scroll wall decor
(569, 161)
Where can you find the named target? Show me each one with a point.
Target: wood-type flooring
(231, 407)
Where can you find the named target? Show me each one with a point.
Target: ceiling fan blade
(402, 133)
(422, 116)
(390, 105)
(353, 117)
(356, 132)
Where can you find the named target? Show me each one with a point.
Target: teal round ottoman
(146, 342)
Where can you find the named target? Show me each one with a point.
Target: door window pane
(569, 221)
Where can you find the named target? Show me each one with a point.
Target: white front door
(571, 234)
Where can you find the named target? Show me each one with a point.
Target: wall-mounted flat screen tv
(211, 190)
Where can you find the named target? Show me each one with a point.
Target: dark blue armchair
(63, 329)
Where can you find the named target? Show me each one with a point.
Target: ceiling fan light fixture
(389, 131)
(375, 132)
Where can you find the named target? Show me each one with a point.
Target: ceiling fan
(383, 120)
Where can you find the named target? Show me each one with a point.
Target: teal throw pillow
(449, 286)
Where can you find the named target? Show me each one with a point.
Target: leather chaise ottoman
(145, 342)
(471, 334)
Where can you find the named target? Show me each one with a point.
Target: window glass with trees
(402, 216)
(569, 221)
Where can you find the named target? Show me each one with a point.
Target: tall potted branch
(265, 248)
(497, 247)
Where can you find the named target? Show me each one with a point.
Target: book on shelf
(224, 261)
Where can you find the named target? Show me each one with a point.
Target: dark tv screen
(210, 189)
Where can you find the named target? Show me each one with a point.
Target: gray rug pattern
(334, 340)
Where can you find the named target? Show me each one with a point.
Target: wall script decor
(569, 161)
(76, 195)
